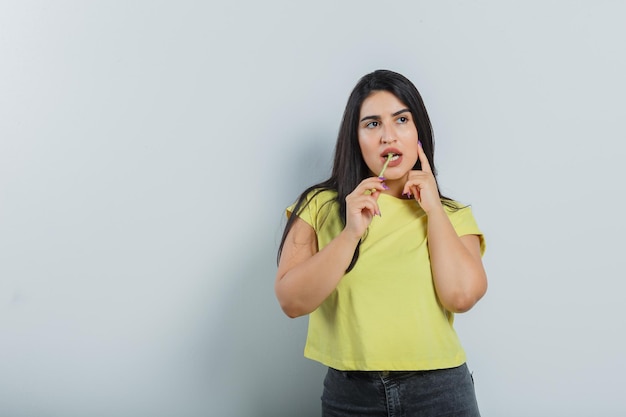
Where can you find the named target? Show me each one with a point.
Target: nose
(387, 136)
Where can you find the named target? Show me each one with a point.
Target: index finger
(421, 155)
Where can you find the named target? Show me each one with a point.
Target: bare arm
(306, 276)
(458, 273)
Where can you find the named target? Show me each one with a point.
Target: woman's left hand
(422, 185)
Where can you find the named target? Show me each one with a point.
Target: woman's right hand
(362, 205)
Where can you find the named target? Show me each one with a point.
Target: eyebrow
(378, 117)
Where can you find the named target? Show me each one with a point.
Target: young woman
(381, 263)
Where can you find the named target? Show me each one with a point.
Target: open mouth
(394, 156)
(389, 158)
(395, 152)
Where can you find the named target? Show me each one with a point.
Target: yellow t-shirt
(384, 313)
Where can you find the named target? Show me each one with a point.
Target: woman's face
(387, 126)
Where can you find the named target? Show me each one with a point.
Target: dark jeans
(441, 393)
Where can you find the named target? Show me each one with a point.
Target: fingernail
(381, 178)
(385, 186)
(419, 143)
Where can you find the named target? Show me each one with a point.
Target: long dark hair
(349, 167)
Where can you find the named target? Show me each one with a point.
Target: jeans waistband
(387, 374)
(376, 374)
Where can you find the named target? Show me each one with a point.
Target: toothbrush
(382, 171)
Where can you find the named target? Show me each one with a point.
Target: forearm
(305, 286)
(458, 274)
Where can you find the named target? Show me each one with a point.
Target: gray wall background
(148, 149)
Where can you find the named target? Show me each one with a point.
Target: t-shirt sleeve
(464, 223)
(318, 208)
(306, 214)
(289, 210)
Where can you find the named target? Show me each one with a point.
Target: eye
(371, 125)
(402, 119)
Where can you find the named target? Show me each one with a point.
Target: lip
(387, 151)
(395, 162)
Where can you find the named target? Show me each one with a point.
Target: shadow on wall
(255, 357)
(256, 351)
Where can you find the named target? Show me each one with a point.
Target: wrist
(437, 211)
(349, 237)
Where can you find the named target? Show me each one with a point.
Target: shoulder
(321, 196)
(313, 201)
(452, 206)
(456, 209)
(463, 220)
